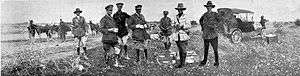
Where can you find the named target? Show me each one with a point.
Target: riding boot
(180, 64)
(168, 45)
(84, 48)
(106, 59)
(183, 59)
(125, 52)
(125, 49)
(78, 50)
(146, 53)
(138, 55)
(216, 59)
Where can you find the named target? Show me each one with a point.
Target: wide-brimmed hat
(209, 4)
(77, 10)
(180, 7)
(138, 7)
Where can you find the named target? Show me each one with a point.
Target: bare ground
(251, 57)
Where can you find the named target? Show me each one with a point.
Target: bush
(297, 22)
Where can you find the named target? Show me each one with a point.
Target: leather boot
(125, 52)
(216, 60)
(146, 53)
(183, 59)
(180, 64)
(166, 45)
(84, 48)
(78, 50)
(138, 55)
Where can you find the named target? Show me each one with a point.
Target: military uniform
(165, 26)
(263, 23)
(32, 30)
(209, 23)
(109, 38)
(120, 18)
(80, 31)
(166, 30)
(139, 35)
(63, 28)
(80, 26)
(181, 25)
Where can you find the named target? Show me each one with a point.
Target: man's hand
(113, 29)
(141, 26)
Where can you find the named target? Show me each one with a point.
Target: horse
(94, 28)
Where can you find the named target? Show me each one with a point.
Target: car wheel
(236, 36)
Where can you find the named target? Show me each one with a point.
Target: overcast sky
(49, 11)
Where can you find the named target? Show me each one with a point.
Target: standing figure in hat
(263, 22)
(209, 21)
(109, 29)
(166, 28)
(120, 18)
(137, 24)
(80, 31)
(63, 28)
(32, 30)
(181, 23)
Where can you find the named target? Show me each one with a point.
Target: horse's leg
(94, 33)
(48, 35)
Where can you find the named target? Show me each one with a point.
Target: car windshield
(245, 17)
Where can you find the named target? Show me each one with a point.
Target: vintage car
(234, 22)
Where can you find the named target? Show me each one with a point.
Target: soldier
(137, 24)
(80, 31)
(109, 29)
(166, 28)
(263, 22)
(32, 30)
(181, 23)
(120, 18)
(63, 30)
(209, 21)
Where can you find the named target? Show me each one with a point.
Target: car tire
(236, 36)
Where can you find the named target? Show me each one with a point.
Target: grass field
(251, 57)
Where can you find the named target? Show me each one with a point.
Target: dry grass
(251, 57)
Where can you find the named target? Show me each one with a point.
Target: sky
(50, 11)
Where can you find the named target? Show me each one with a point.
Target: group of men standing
(116, 32)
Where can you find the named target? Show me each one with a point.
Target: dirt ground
(251, 57)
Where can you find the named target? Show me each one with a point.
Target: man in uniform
(181, 23)
(109, 29)
(137, 24)
(32, 30)
(120, 18)
(209, 21)
(166, 28)
(263, 22)
(80, 31)
(63, 30)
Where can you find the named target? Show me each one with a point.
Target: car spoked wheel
(236, 36)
